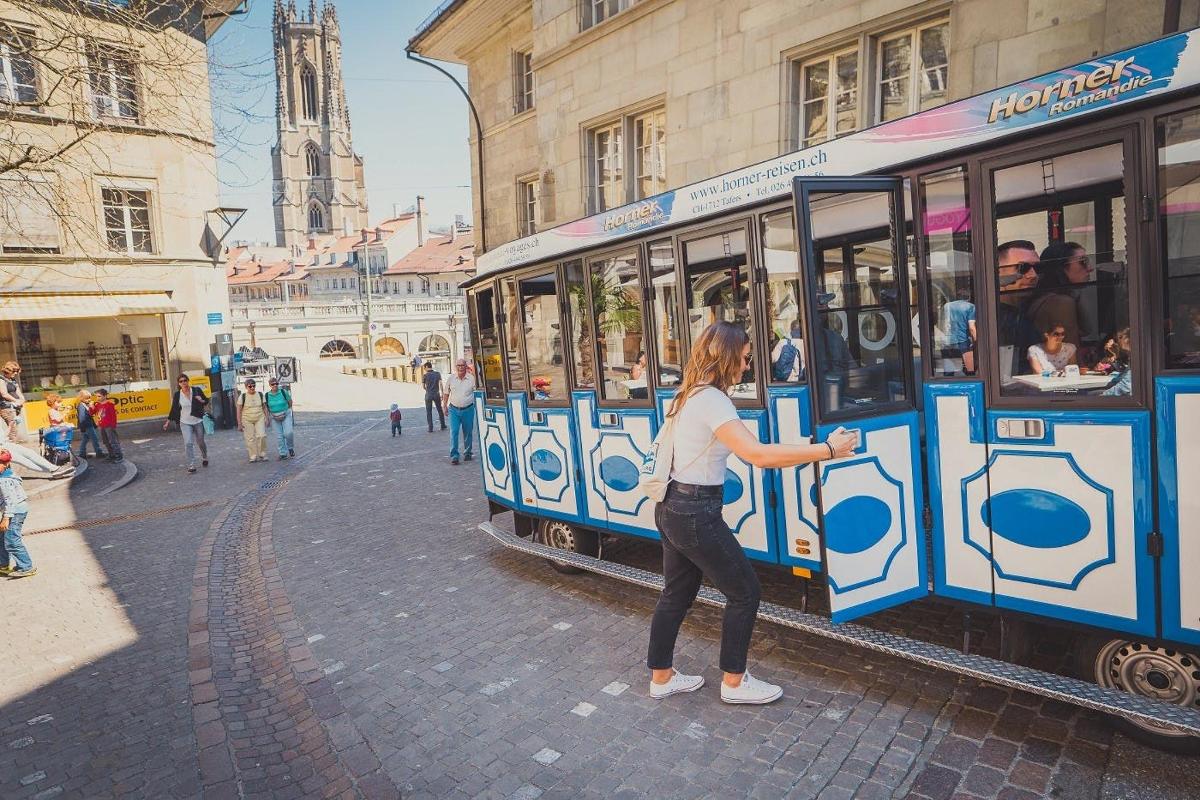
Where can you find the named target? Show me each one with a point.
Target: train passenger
(1117, 357)
(958, 322)
(1016, 269)
(1054, 353)
(696, 541)
(1054, 299)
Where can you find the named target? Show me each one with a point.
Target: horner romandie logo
(635, 217)
(1069, 93)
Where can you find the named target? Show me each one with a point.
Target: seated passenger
(1116, 361)
(1016, 263)
(1054, 299)
(1053, 354)
(638, 373)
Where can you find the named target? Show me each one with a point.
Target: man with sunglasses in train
(1017, 269)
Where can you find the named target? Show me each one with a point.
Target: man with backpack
(279, 406)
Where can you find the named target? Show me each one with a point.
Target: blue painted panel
(496, 456)
(857, 524)
(619, 473)
(733, 488)
(1036, 518)
(1172, 570)
(545, 465)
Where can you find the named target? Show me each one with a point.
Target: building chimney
(453, 229)
(420, 220)
(395, 210)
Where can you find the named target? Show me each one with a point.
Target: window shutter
(27, 217)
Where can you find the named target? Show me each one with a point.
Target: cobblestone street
(335, 626)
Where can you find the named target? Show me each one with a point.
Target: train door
(718, 286)
(615, 419)
(859, 353)
(1062, 514)
(495, 437)
(543, 444)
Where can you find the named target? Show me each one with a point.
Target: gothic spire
(312, 11)
(291, 11)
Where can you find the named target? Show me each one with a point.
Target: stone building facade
(588, 104)
(319, 186)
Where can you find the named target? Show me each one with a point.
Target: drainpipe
(478, 144)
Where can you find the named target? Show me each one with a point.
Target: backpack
(396, 416)
(242, 399)
(782, 370)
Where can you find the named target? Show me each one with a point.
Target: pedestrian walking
(279, 406)
(253, 421)
(11, 398)
(105, 411)
(459, 400)
(86, 423)
(14, 508)
(395, 416)
(696, 541)
(188, 406)
(432, 381)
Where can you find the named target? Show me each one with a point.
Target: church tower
(319, 186)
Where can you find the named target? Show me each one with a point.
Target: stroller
(56, 444)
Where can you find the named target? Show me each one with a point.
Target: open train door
(858, 344)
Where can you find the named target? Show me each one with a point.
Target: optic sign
(1166, 65)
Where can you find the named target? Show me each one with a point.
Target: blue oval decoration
(1036, 518)
(545, 465)
(619, 473)
(857, 524)
(496, 456)
(733, 488)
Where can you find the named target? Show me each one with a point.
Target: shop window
(616, 292)
(511, 305)
(18, 73)
(784, 320)
(717, 270)
(308, 93)
(1062, 312)
(609, 161)
(527, 206)
(28, 221)
(1179, 209)
(522, 81)
(949, 288)
(664, 310)
(593, 12)
(112, 77)
(543, 338)
(127, 220)
(583, 352)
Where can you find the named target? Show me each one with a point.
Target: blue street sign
(215, 318)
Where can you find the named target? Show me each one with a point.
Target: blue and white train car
(1010, 316)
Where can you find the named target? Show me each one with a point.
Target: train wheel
(565, 536)
(1161, 673)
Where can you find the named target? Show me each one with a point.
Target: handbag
(209, 425)
(655, 474)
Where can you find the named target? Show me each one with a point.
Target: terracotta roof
(438, 254)
(252, 272)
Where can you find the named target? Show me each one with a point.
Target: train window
(785, 323)
(582, 353)
(1179, 206)
(617, 302)
(949, 289)
(512, 335)
(543, 337)
(664, 313)
(718, 275)
(859, 354)
(488, 349)
(1062, 316)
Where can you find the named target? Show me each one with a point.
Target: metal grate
(83, 524)
(1014, 676)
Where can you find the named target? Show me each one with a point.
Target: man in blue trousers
(459, 401)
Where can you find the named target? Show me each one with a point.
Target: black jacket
(199, 401)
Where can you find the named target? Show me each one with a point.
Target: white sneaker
(678, 683)
(751, 690)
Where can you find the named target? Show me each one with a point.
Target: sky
(409, 122)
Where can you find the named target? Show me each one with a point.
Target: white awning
(31, 306)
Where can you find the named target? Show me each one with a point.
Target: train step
(1002, 673)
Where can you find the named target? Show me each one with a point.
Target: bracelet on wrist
(831, 453)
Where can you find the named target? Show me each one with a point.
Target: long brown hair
(716, 360)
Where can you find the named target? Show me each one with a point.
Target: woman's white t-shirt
(706, 410)
(1052, 361)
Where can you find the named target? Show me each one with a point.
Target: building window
(596, 11)
(113, 81)
(312, 160)
(522, 81)
(527, 206)
(609, 160)
(316, 218)
(308, 93)
(906, 72)
(408, 288)
(18, 76)
(127, 220)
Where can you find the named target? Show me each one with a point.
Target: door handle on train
(608, 420)
(1021, 428)
(537, 417)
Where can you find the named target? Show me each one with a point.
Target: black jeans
(696, 542)
(430, 404)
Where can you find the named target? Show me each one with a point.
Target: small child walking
(106, 420)
(86, 423)
(14, 507)
(395, 416)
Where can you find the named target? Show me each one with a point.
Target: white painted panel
(1187, 448)
(628, 443)
(494, 450)
(746, 514)
(959, 457)
(799, 513)
(590, 457)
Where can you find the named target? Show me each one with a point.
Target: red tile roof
(439, 254)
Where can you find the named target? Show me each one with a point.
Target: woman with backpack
(279, 406)
(696, 541)
(253, 421)
(188, 406)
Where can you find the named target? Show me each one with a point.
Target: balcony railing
(379, 310)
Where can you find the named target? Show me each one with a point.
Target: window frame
(829, 58)
(315, 206)
(637, 248)
(625, 124)
(126, 218)
(307, 69)
(528, 202)
(312, 160)
(914, 96)
(587, 12)
(102, 58)
(518, 277)
(524, 98)
(22, 36)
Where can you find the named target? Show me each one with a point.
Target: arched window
(308, 92)
(316, 218)
(312, 160)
